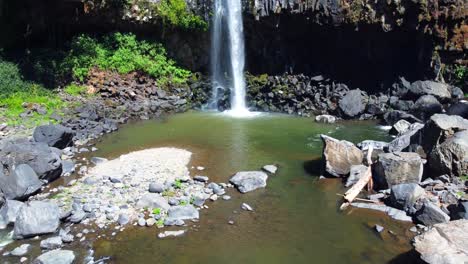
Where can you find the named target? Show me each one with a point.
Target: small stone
(21, 250)
(413, 229)
(379, 228)
(226, 197)
(156, 188)
(141, 222)
(270, 168)
(214, 197)
(150, 222)
(200, 168)
(246, 207)
(23, 259)
(98, 160)
(51, 243)
(171, 233)
(201, 178)
(230, 222)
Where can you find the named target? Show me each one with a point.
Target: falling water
(227, 25)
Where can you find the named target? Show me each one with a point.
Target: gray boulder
(460, 109)
(391, 117)
(340, 155)
(52, 243)
(426, 106)
(440, 90)
(431, 214)
(246, 181)
(439, 127)
(56, 136)
(21, 250)
(21, 183)
(42, 159)
(9, 212)
(353, 103)
(36, 218)
(182, 212)
(403, 141)
(404, 196)
(156, 188)
(68, 167)
(390, 211)
(398, 167)
(451, 157)
(57, 256)
(355, 173)
(445, 243)
(400, 127)
(153, 200)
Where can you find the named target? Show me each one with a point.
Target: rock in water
(340, 155)
(21, 250)
(270, 168)
(353, 103)
(36, 218)
(9, 212)
(171, 233)
(57, 256)
(444, 243)
(327, 119)
(440, 90)
(51, 243)
(183, 212)
(153, 200)
(45, 162)
(246, 207)
(246, 181)
(21, 183)
(398, 167)
(56, 136)
(451, 157)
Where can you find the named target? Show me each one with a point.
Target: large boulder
(431, 214)
(400, 127)
(404, 196)
(451, 157)
(246, 181)
(36, 218)
(42, 159)
(21, 183)
(56, 136)
(460, 109)
(440, 90)
(182, 212)
(57, 256)
(398, 167)
(403, 141)
(445, 243)
(353, 103)
(426, 106)
(153, 200)
(340, 155)
(391, 117)
(441, 127)
(9, 212)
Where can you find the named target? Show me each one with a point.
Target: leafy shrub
(174, 12)
(11, 80)
(461, 74)
(124, 54)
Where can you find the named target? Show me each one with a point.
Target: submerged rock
(445, 243)
(327, 119)
(57, 256)
(182, 212)
(21, 250)
(36, 218)
(171, 233)
(270, 168)
(247, 181)
(340, 155)
(390, 211)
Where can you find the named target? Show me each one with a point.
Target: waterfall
(228, 32)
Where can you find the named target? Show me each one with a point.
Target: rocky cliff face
(348, 39)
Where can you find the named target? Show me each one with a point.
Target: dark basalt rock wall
(361, 42)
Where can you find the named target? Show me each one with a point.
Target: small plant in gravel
(157, 211)
(178, 184)
(75, 90)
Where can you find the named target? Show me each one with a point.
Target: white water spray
(228, 25)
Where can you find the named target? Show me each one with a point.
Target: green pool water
(296, 217)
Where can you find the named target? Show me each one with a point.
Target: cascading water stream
(227, 24)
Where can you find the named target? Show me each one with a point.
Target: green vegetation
(461, 74)
(175, 13)
(18, 96)
(157, 211)
(75, 90)
(178, 184)
(183, 202)
(124, 54)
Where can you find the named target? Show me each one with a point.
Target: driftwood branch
(366, 179)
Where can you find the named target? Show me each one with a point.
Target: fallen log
(351, 194)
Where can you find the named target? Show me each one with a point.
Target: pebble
(171, 233)
(200, 168)
(141, 222)
(150, 222)
(379, 228)
(214, 197)
(230, 222)
(23, 259)
(201, 178)
(226, 197)
(246, 207)
(270, 168)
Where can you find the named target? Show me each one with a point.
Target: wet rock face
(340, 156)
